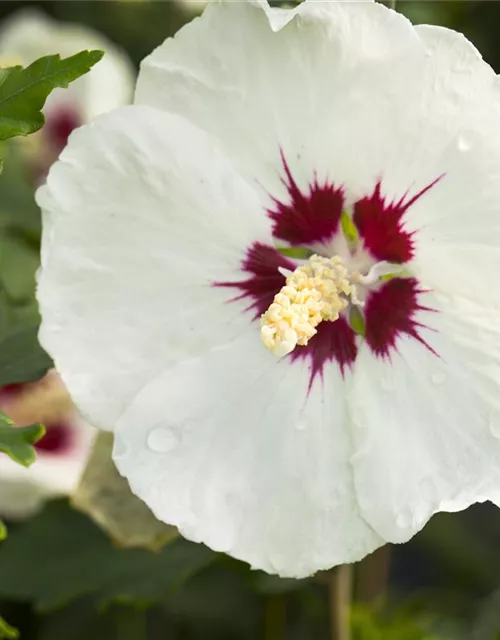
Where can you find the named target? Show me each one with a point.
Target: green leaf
(17, 442)
(80, 620)
(217, 603)
(6, 631)
(23, 92)
(22, 359)
(18, 264)
(3, 531)
(19, 212)
(60, 555)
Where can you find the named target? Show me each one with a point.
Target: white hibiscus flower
(61, 453)
(261, 137)
(30, 34)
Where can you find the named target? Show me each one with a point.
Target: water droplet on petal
(438, 377)
(163, 439)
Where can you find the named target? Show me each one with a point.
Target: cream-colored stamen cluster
(316, 291)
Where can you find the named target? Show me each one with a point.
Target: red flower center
(312, 217)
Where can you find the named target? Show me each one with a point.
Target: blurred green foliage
(6, 631)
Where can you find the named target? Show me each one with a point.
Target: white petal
(457, 222)
(427, 428)
(261, 79)
(142, 214)
(30, 34)
(351, 91)
(227, 447)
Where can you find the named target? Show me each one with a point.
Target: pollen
(315, 292)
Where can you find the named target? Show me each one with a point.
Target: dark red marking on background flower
(390, 311)
(307, 218)
(9, 391)
(335, 341)
(60, 122)
(380, 224)
(58, 439)
(264, 281)
(59, 436)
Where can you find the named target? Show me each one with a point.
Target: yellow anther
(319, 290)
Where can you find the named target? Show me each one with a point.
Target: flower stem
(392, 4)
(340, 587)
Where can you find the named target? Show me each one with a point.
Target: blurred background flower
(29, 34)
(61, 453)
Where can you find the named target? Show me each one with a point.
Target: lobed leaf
(17, 442)
(23, 91)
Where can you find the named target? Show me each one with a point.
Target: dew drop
(438, 378)
(163, 439)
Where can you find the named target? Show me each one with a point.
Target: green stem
(340, 591)
(392, 4)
